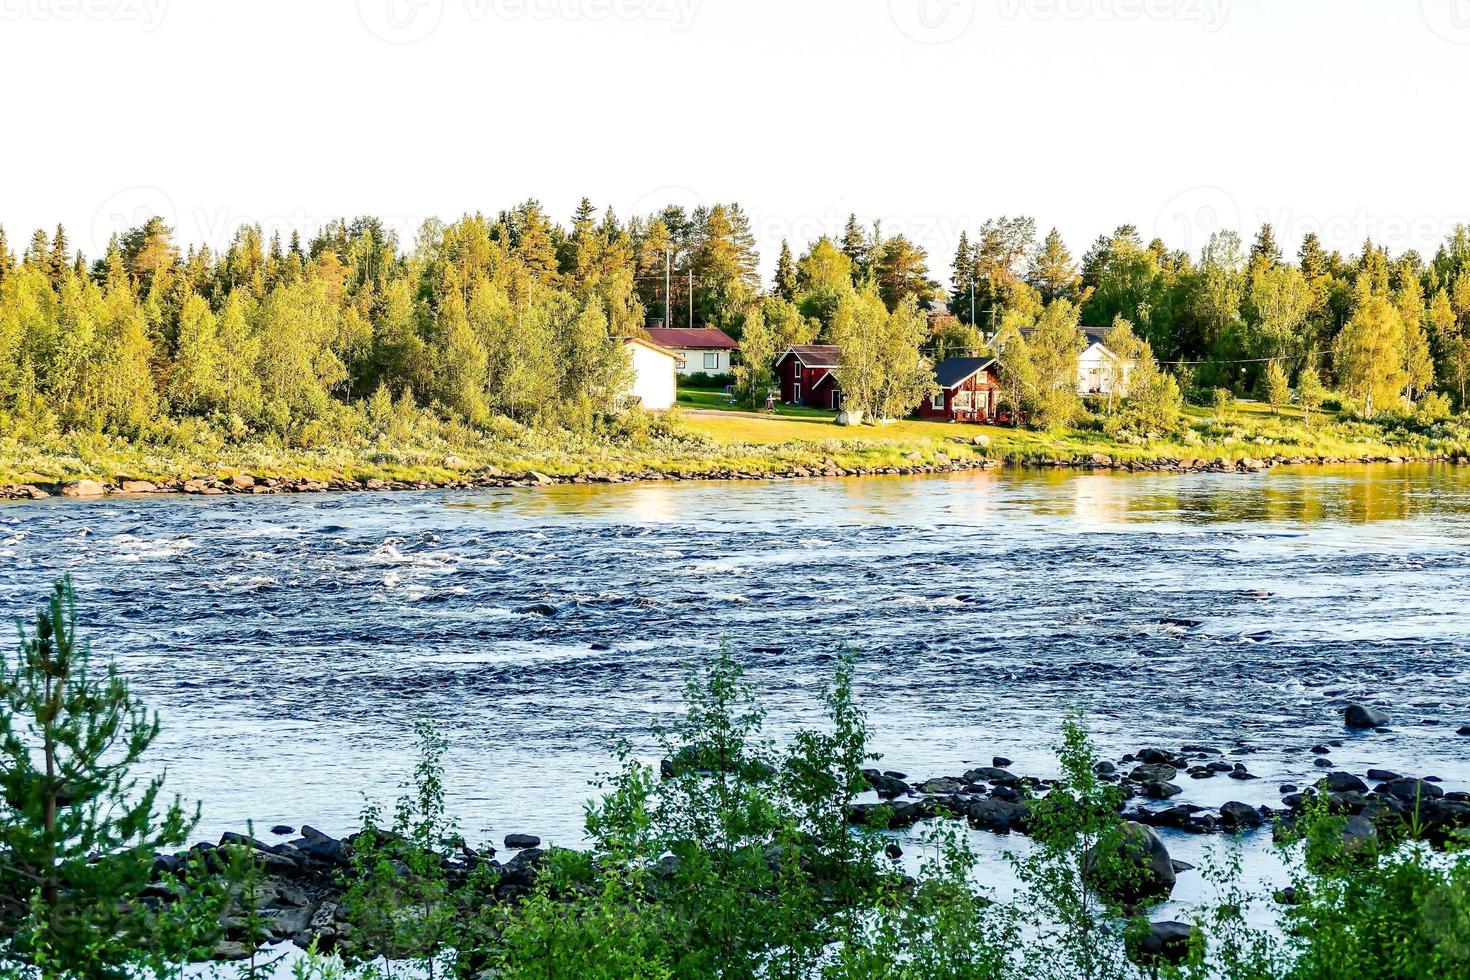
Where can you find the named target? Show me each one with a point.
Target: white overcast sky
(1341, 116)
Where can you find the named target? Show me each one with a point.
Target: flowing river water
(289, 642)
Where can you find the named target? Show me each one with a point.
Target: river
(289, 642)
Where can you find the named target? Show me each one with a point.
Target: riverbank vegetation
(733, 857)
(492, 340)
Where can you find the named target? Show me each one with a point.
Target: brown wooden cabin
(808, 376)
(969, 391)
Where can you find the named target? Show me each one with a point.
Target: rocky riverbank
(915, 465)
(301, 894)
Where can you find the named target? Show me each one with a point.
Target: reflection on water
(290, 641)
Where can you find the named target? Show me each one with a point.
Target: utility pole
(668, 282)
(972, 300)
(691, 296)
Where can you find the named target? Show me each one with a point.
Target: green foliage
(79, 831)
(400, 899)
(1084, 865)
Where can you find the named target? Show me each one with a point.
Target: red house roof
(814, 355)
(683, 338)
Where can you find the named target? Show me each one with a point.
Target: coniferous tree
(785, 283)
(80, 829)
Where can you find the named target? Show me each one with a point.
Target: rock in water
(1362, 716)
(516, 842)
(1240, 816)
(537, 609)
(1344, 782)
(1165, 942)
(1147, 870)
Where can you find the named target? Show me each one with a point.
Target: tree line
(517, 315)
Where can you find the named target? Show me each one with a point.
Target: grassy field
(706, 436)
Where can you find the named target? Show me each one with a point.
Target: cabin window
(796, 392)
(711, 362)
(964, 399)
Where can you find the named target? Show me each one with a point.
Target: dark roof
(684, 338)
(956, 370)
(1094, 335)
(814, 355)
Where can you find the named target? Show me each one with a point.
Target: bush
(701, 379)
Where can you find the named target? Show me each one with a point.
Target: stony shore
(301, 897)
(915, 465)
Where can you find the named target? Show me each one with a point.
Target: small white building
(704, 350)
(1099, 370)
(654, 369)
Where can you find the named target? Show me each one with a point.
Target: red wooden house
(808, 376)
(969, 391)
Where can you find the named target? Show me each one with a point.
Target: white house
(700, 351)
(654, 367)
(1099, 370)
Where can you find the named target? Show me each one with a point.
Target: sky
(1342, 117)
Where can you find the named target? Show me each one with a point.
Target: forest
(487, 319)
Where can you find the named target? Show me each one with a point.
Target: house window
(796, 392)
(963, 400)
(711, 361)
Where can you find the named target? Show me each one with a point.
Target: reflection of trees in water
(1349, 495)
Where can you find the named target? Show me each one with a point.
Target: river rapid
(289, 642)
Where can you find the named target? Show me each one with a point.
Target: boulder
(516, 842)
(1240, 816)
(1164, 942)
(888, 787)
(83, 488)
(537, 609)
(982, 441)
(1362, 716)
(998, 816)
(942, 786)
(1158, 790)
(242, 481)
(1145, 868)
(1344, 782)
(850, 416)
(1359, 833)
(1409, 789)
(1153, 773)
(137, 486)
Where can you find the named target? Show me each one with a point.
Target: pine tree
(1265, 253)
(962, 275)
(7, 260)
(80, 833)
(1052, 272)
(785, 274)
(855, 246)
(60, 256)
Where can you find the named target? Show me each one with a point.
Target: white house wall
(653, 378)
(692, 362)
